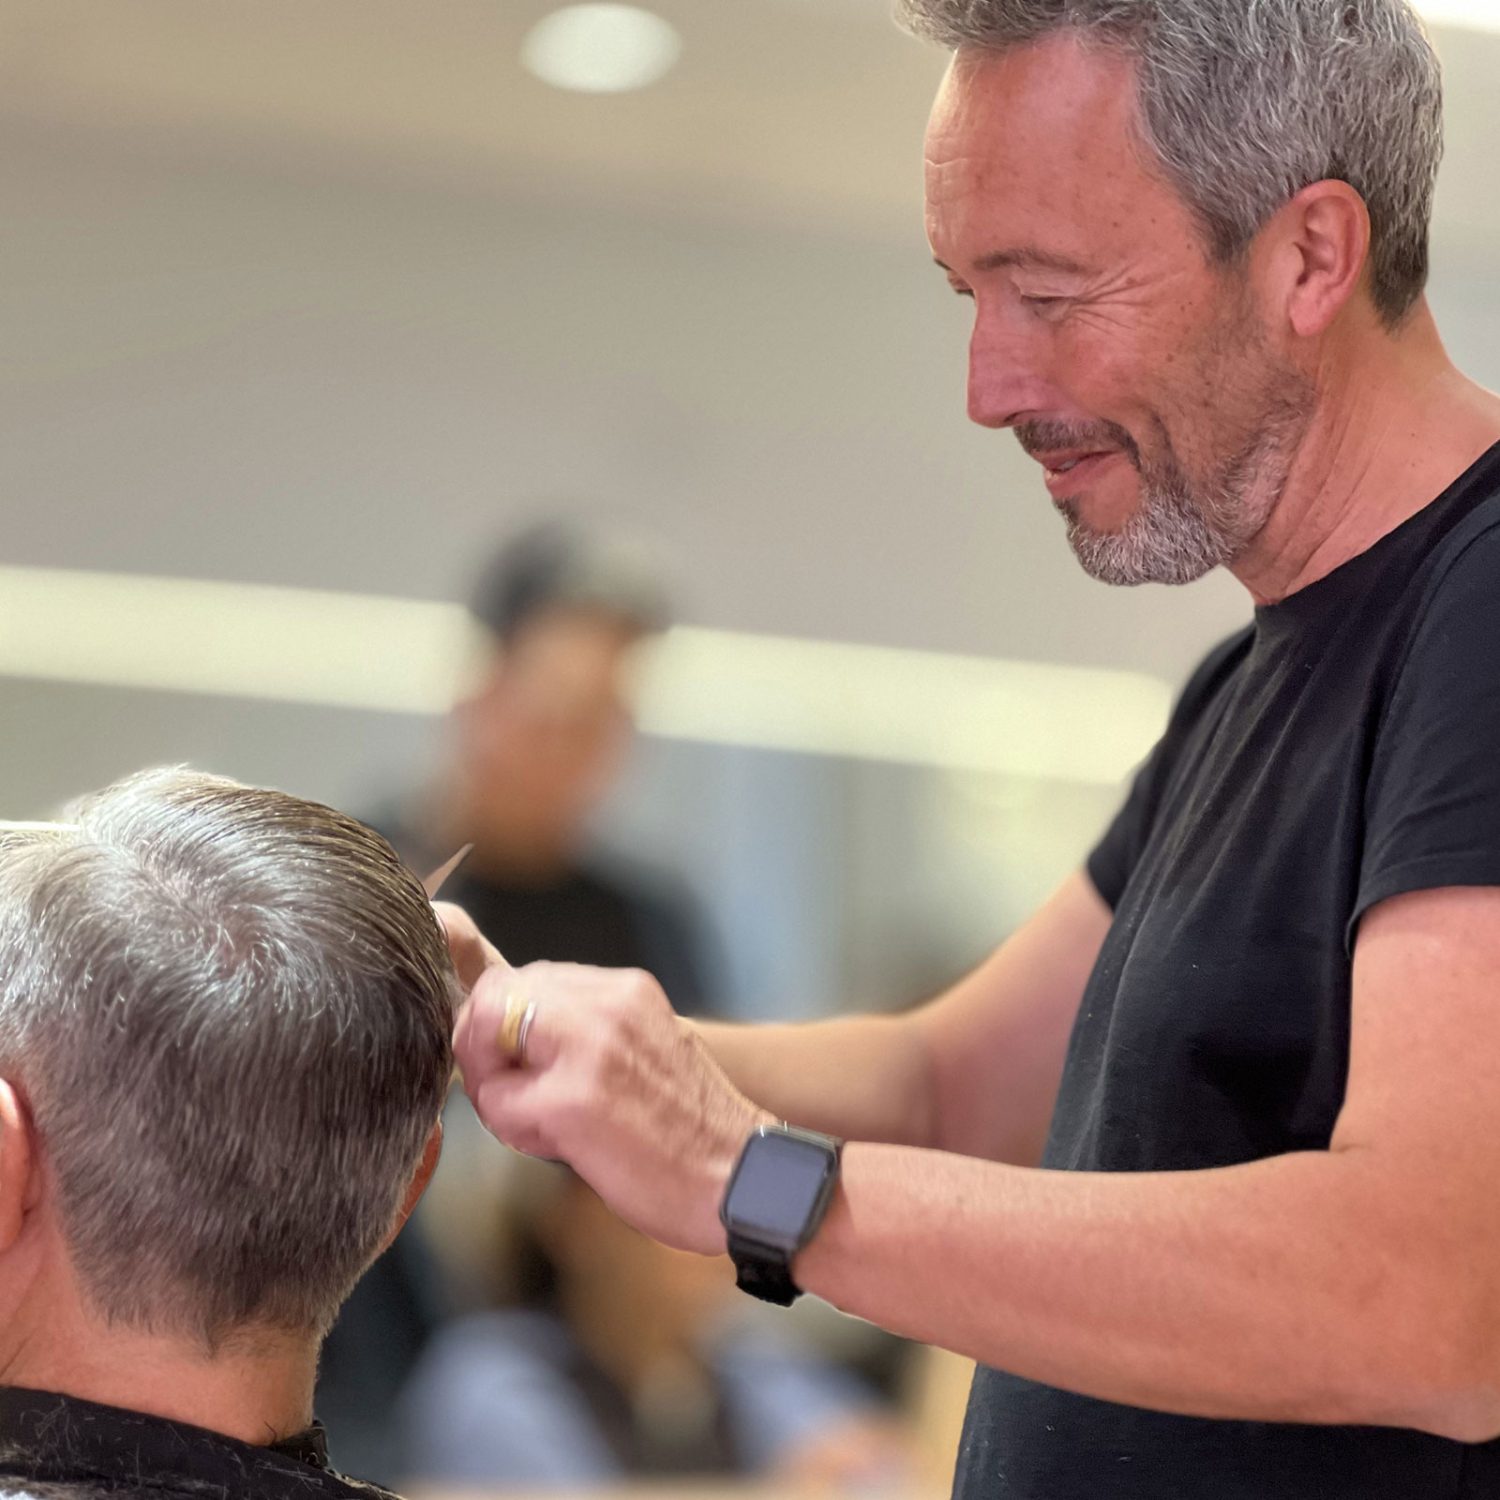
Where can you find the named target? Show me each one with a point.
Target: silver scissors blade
(439, 877)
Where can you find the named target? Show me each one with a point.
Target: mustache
(1047, 437)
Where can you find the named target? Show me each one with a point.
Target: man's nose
(1005, 380)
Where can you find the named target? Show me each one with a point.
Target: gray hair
(229, 1012)
(1247, 102)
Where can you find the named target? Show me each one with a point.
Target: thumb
(471, 951)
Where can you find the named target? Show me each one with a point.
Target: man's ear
(20, 1182)
(1322, 250)
(419, 1180)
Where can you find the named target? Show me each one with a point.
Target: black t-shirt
(1342, 750)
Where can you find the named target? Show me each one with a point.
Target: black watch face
(777, 1187)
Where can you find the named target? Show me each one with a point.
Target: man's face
(1141, 376)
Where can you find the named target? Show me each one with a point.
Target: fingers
(471, 951)
(569, 1026)
(612, 1084)
(502, 1004)
(511, 1108)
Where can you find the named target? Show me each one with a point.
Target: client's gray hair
(1247, 102)
(229, 1012)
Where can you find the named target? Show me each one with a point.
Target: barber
(1254, 1046)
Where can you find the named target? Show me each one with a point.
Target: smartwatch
(776, 1199)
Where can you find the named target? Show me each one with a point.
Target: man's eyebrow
(1025, 258)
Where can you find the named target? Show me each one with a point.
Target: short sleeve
(1116, 855)
(1432, 802)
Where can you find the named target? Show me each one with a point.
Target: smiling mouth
(1067, 465)
(1068, 477)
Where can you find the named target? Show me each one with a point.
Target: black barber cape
(56, 1447)
(1342, 750)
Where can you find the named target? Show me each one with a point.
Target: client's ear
(419, 1180)
(19, 1183)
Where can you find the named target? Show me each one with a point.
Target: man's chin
(1097, 514)
(1135, 555)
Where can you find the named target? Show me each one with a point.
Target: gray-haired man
(225, 1021)
(1262, 1263)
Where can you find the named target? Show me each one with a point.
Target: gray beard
(1181, 531)
(1168, 539)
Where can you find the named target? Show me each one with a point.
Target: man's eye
(1049, 309)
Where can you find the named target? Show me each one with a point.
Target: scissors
(439, 877)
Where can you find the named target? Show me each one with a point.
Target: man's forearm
(862, 1077)
(1295, 1289)
(975, 1070)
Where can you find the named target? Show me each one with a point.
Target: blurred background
(311, 305)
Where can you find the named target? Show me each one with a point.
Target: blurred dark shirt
(615, 918)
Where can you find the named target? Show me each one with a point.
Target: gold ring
(515, 1026)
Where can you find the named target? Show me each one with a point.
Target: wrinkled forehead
(1061, 89)
(1047, 135)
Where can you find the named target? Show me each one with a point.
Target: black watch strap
(763, 1272)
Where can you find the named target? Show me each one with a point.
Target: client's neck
(257, 1388)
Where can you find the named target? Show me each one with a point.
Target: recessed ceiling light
(601, 49)
(1478, 15)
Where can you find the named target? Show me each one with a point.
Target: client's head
(224, 1044)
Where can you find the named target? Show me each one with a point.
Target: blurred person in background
(1200, 1165)
(225, 1020)
(623, 1359)
(533, 747)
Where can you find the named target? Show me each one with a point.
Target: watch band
(762, 1272)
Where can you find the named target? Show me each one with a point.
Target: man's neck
(1398, 431)
(257, 1389)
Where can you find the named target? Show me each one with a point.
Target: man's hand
(613, 1084)
(471, 951)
